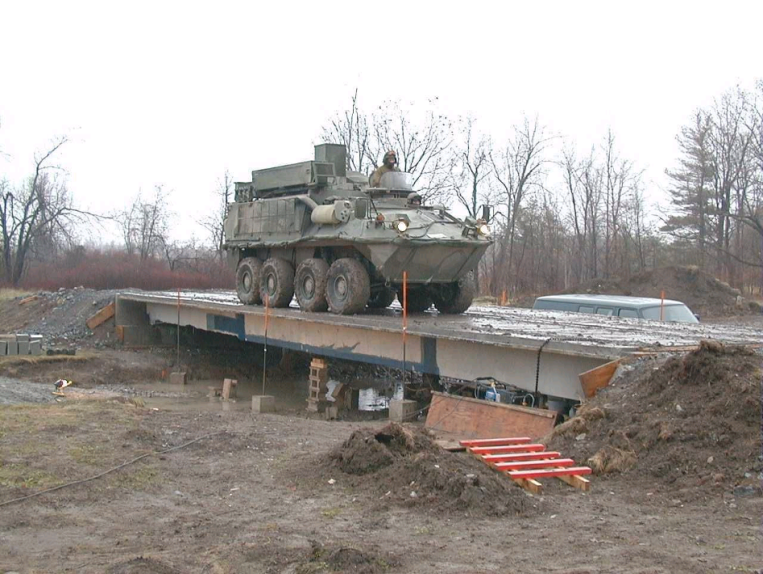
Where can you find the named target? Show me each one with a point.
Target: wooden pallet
(524, 461)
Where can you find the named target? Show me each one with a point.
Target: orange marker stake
(265, 351)
(405, 322)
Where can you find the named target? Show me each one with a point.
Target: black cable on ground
(121, 466)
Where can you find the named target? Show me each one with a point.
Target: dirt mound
(694, 421)
(345, 559)
(703, 293)
(59, 315)
(141, 565)
(402, 465)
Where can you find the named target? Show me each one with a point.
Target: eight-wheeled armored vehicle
(319, 232)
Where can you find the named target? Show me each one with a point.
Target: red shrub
(117, 270)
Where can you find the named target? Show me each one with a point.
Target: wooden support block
(530, 485)
(229, 389)
(598, 377)
(120, 332)
(577, 481)
(494, 458)
(469, 418)
(101, 316)
(28, 300)
(575, 470)
(450, 445)
(495, 441)
(528, 464)
(535, 447)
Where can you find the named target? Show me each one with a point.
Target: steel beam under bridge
(434, 345)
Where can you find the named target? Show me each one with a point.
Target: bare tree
(516, 169)
(145, 224)
(421, 146)
(350, 128)
(42, 206)
(215, 221)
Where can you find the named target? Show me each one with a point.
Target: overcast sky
(175, 93)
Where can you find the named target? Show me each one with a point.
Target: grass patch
(20, 475)
(139, 478)
(7, 293)
(13, 360)
(331, 512)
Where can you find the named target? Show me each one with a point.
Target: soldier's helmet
(390, 154)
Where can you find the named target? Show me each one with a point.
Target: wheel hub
(308, 286)
(341, 287)
(271, 284)
(247, 281)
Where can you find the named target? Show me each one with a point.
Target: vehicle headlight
(483, 229)
(401, 225)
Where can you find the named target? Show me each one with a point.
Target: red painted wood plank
(528, 464)
(493, 458)
(507, 448)
(575, 471)
(495, 441)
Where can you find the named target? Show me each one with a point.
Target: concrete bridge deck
(499, 342)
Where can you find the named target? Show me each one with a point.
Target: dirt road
(257, 494)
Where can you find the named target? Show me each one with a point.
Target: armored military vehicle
(319, 232)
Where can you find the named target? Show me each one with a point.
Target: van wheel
(277, 282)
(348, 287)
(310, 285)
(248, 280)
(381, 299)
(418, 299)
(455, 297)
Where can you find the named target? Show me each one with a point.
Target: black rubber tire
(348, 287)
(310, 285)
(457, 297)
(418, 301)
(248, 280)
(277, 282)
(381, 299)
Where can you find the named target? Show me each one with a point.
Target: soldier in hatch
(388, 164)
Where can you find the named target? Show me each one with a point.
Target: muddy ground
(280, 492)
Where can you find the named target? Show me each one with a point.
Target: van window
(679, 313)
(585, 309)
(608, 311)
(631, 313)
(555, 305)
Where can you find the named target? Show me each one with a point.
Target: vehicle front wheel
(456, 297)
(310, 285)
(248, 280)
(348, 287)
(277, 282)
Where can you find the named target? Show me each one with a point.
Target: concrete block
(35, 348)
(23, 347)
(22, 338)
(3, 348)
(13, 348)
(263, 404)
(177, 378)
(401, 411)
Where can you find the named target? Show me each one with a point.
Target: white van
(619, 306)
